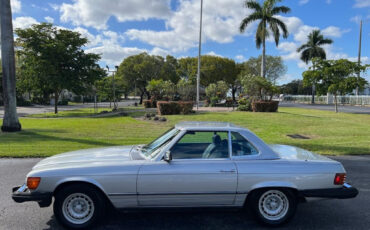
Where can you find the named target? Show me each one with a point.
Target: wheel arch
(287, 186)
(85, 181)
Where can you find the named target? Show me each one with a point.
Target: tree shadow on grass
(301, 115)
(33, 135)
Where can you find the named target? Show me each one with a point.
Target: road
(327, 214)
(37, 109)
(341, 108)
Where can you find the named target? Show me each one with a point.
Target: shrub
(244, 105)
(265, 106)
(63, 102)
(77, 98)
(213, 101)
(218, 90)
(174, 107)
(24, 103)
(150, 103)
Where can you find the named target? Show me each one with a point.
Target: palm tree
(10, 120)
(312, 49)
(265, 14)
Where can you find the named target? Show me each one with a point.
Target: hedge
(265, 106)
(174, 107)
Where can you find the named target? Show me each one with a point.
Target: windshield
(150, 150)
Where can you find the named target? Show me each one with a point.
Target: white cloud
(362, 3)
(49, 19)
(221, 20)
(328, 1)
(160, 52)
(333, 31)
(240, 58)
(212, 53)
(16, 6)
(302, 2)
(83, 12)
(356, 19)
(114, 54)
(24, 22)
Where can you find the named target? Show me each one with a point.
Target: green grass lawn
(330, 133)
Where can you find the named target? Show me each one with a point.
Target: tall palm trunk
(10, 120)
(263, 61)
(313, 87)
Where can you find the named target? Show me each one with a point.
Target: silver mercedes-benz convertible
(194, 164)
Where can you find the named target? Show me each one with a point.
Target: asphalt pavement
(341, 108)
(322, 214)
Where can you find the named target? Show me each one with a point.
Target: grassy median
(328, 132)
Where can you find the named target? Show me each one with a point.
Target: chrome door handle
(228, 171)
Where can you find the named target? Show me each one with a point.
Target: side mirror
(167, 156)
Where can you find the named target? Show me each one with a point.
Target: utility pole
(199, 51)
(359, 56)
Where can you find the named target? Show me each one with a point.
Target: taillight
(339, 178)
(33, 182)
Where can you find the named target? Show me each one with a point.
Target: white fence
(348, 100)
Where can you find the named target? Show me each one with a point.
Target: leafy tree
(274, 67)
(169, 69)
(312, 49)
(160, 89)
(295, 87)
(335, 76)
(266, 15)
(213, 69)
(53, 60)
(186, 89)
(138, 70)
(257, 87)
(217, 91)
(10, 120)
(104, 89)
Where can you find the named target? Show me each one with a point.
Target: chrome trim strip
(178, 193)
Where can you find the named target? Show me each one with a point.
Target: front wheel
(78, 206)
(273, 206)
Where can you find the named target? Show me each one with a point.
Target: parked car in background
(194, 164)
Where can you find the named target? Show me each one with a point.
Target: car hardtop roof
(207, 125)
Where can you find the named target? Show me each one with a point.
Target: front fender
(79, 179)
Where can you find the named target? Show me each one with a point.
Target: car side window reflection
(201, 144)
(241, 146)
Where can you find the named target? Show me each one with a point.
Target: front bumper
(345, 192)
(22, 194)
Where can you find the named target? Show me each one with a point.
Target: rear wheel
(78, 206)
(273, 206)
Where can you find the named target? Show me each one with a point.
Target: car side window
(241, 146)
(201, 144)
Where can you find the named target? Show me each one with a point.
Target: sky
(117, 29)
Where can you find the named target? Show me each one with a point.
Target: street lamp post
(113, 86)
(359, 56)
(199, 51)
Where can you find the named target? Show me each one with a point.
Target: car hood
(89, 157)
(294, 153)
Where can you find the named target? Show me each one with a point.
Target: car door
(200, 174)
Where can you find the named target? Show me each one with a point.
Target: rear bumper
(345, 192)
(23, 194)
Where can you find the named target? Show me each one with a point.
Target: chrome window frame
(182, 133)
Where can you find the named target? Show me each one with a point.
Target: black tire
(256, 198)
(88, 194)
